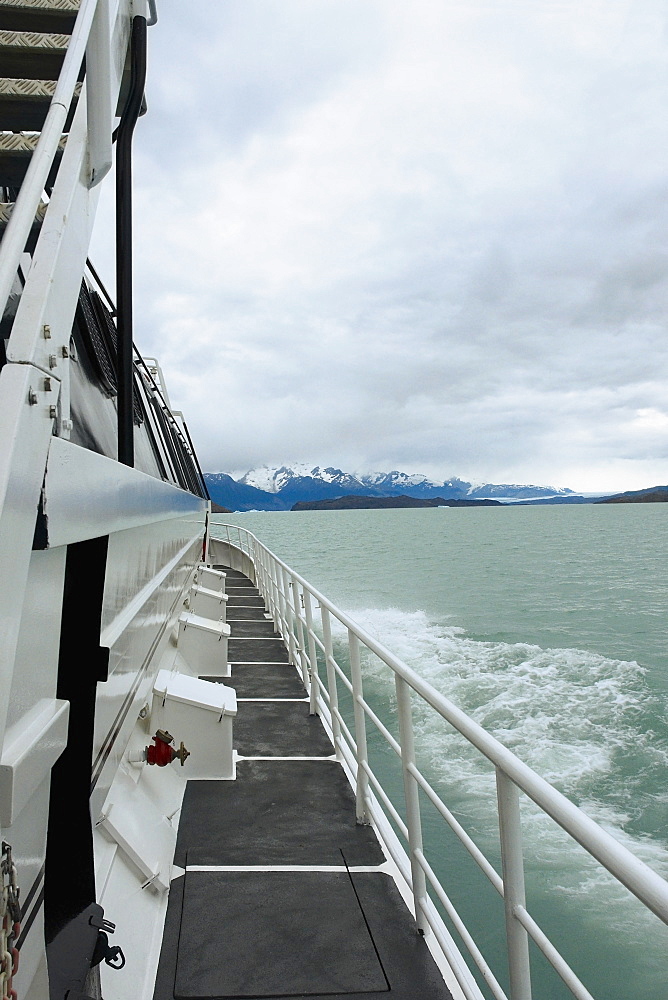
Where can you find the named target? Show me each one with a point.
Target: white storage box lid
(192, 691)
(206, 624)
(215, 594)
(205, 570)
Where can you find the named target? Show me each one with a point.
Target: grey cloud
(427, 236)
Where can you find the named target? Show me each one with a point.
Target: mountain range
(279, 488)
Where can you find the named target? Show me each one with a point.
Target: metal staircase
(48, 189)
(34, 35)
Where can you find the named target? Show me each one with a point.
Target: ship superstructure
(96, 552)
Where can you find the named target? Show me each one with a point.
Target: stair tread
(20, 143)
(24, 103)
(16, 148)
(38, 90)
(50, 6)
(7, 207)
(33, 40)
(37, 55)
(38, 15)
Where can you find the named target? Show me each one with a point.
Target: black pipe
(131, 111)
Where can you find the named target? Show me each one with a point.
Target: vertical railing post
(250, 542)
(510, 831)
(267, 582)
(273, 593)
(258, 561)
(312, 654)
(289, 617)
(281, 624)
(412, 799)
(206, 541)
(331, 680)
(299, 635)
(269, 596)
(362, 783)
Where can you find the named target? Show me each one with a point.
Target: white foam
(572, 715)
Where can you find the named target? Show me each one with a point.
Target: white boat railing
(292, 601)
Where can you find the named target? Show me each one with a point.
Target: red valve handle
(161, 753)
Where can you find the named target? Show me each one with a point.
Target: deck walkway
(283, 894)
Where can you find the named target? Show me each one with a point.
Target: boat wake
(588, 724)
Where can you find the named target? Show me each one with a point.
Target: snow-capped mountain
(274, 480)
(396, 478)
(279, 487)
(236, 495)
(488, 491)
(414, 485)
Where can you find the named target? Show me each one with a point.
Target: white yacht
(187, 798)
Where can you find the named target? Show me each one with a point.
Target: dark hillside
(655, 494)
(355, 502)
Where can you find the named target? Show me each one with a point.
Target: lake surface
(547, 625)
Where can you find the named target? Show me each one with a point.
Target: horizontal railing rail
(291, 601)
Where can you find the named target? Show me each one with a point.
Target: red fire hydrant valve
(162, 753)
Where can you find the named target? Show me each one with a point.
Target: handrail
(22, 217)
(276, 579)
(186, 440)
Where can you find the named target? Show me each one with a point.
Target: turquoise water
(548, 626)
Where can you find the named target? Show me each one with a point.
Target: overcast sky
(426, 235)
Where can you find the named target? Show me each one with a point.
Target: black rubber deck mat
(403, 955)
(256, 651)
(279, 729)
(265, 680)
(275, 813)
(261, 629)
(238, 599)
(273, 934)
(236, 613)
